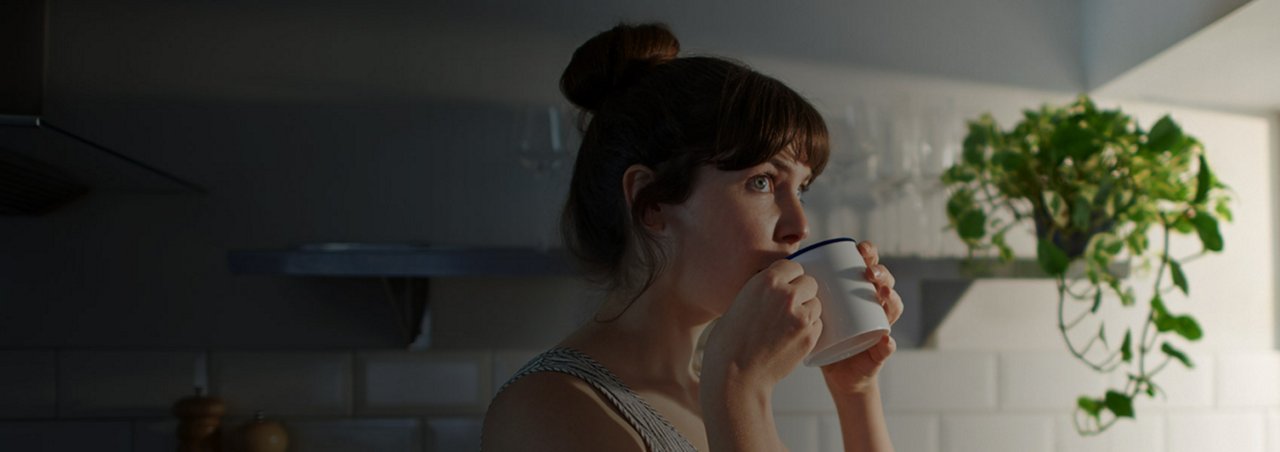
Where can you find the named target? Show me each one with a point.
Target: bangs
(760, 118)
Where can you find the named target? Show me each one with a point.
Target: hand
(771, 325)
(857, 374)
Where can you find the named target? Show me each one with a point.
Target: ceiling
(331, 51)
(1233, 64)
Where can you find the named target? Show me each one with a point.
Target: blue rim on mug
(819, 245)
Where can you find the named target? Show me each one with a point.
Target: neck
(657, 333)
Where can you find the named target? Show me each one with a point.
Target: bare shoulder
(555, 411)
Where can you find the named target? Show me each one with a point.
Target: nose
(793, 226)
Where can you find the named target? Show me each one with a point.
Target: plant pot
(1071, 242)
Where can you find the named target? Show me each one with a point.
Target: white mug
(852, 318)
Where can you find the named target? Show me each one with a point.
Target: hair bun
(612, 59)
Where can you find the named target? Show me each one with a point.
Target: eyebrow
(777, 162)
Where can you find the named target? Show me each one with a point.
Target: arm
(739, 417)
(771, 325)
(862, 424)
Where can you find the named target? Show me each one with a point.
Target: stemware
(546, 144)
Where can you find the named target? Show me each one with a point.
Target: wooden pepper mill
(263, 435)
(199, 417)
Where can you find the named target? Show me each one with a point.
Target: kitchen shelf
(359, 260)
(931, 285)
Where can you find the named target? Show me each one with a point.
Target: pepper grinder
(199, 417)
(264, 435)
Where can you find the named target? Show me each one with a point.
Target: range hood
(44, 166)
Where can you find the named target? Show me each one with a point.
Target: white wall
(1145, 27)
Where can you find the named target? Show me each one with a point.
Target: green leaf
(981, 137)
(960, 202)
(1071, 140)
(1052, 259)
(1164, 135)
(973, 225)
(1128, 298)
(1097, 301)
(1137, 242)
(1120, 404)
(1126, 347)
(959, 174)
(1113, 247)
(1207, 227)
(1223, 209)
(1080, 213)
(1204, 180)
(1179, 279)
(1009, 161)
(1151, 389)
(1091, 406)
(1183, 225)
(1006, 253)
(1102, 335)
(1176, 354)
(1157, 305)
(1188, 328)
(1164, 321)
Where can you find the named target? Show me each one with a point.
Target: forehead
(787, 161)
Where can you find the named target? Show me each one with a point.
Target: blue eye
(761, 183)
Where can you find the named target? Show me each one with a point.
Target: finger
(812, 311)
(883, 349)
(783, 272)
(893, 307)
(804, 288)
(870, 253)
(880, 276)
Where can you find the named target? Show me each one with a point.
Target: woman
(685, 201)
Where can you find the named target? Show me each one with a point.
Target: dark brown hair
(642, 104)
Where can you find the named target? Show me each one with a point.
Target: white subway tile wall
(157, 435)
(97, 384)
(798, 431)
(68, 436)
(1248, 379)
(926, 381)
(1242, 431)
(935, 400)
(453, 433)
(997, 433)
(1047, 380)
(355, 435)
(993, 315)
(1144, 434)
(27, 385)
(422, 383)
(283, 383)
(803, 391)
(1273, 429)
(507, 362)
(1180, 387)
(909, 432)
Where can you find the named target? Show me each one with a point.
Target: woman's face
(734, 224)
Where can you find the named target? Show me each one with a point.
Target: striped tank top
(654, 430)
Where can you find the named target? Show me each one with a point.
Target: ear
(636, 178)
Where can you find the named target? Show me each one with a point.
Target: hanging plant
(1093, 184)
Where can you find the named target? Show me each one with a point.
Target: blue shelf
(371, 261)
(930, 286)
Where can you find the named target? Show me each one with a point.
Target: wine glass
(546, 144)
